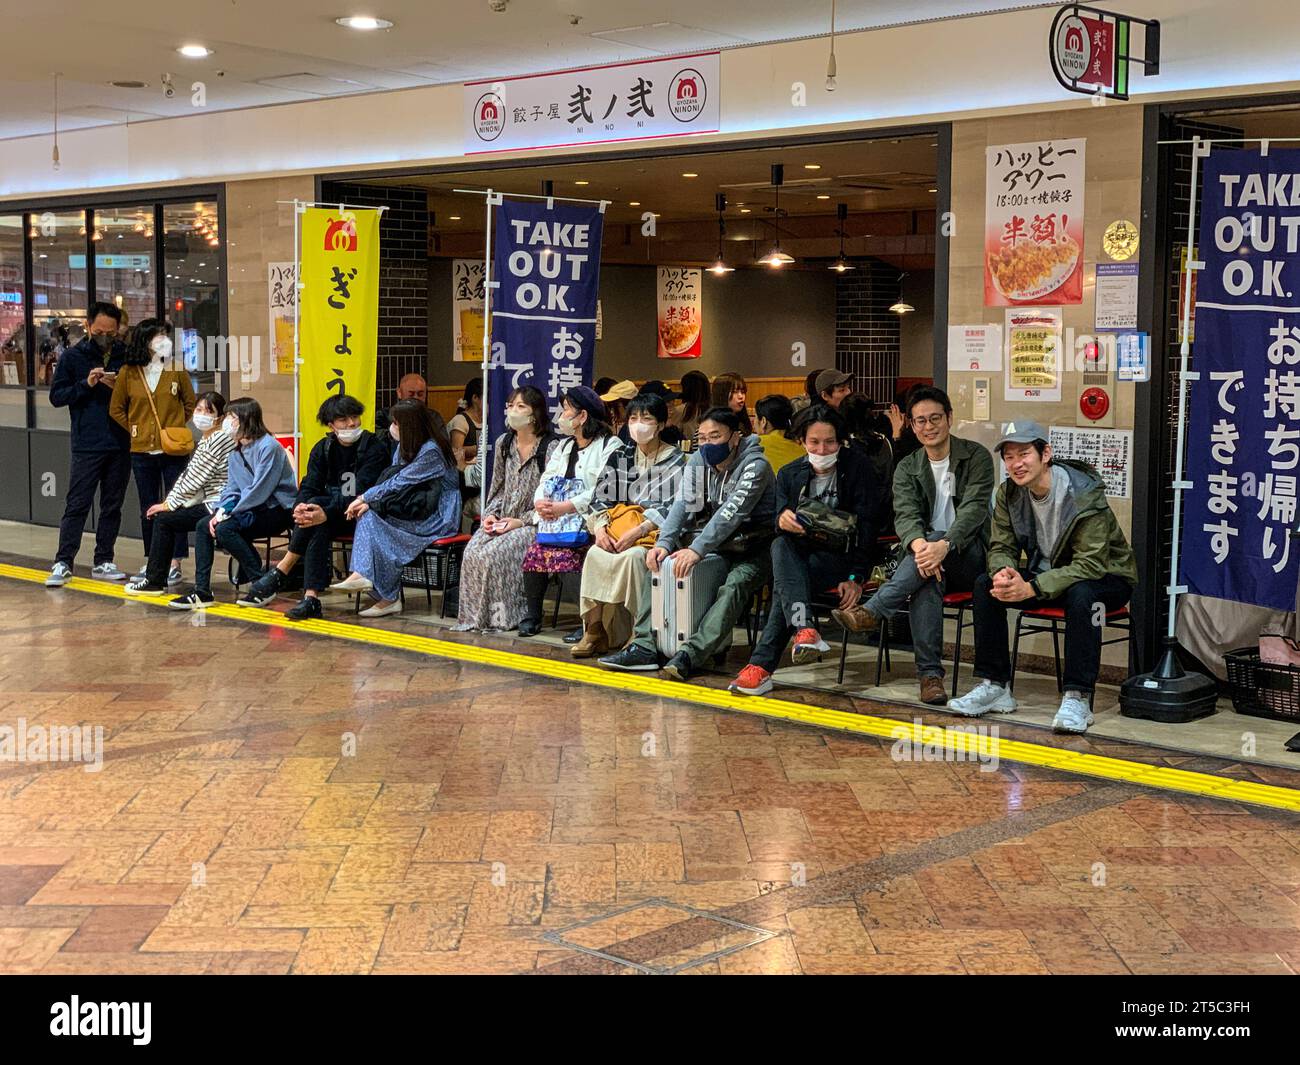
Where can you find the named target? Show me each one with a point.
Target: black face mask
(104, 340)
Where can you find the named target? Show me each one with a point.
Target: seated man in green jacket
(1053, 513)
(941, 515)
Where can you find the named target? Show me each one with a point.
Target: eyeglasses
(934, 420)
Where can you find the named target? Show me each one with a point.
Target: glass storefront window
(124, 260)
(13, 317)
(58, 286)
(191, 264)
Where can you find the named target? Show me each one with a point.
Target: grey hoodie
(717, 510)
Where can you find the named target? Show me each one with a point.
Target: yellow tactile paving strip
(1016, 751)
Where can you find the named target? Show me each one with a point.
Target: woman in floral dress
(491, 585)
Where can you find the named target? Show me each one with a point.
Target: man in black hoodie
(342, 465)
(844, 479)
(101, 450)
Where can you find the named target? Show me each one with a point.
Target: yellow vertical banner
(338, 308)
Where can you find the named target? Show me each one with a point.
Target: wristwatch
(1038, 592)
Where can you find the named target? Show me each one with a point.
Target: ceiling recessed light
(690, 173)
(931, 190)
(127, 84)
(812, 166)
(454, 217)
(363, 22)
(634, 203)
(582, 182)
(823, 196)
(744, 210)
(194, 51)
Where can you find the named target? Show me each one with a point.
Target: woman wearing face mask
(843, 479)
(342, 465)
(491, 593)
(193, 497)
(564, 497)
(415, 501)
(730, 391)
(635, 490)
(256, 502)
(152, 400)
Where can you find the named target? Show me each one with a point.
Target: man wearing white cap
(1052, 512)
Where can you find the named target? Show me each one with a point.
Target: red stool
(955, 605)
(1048, 619)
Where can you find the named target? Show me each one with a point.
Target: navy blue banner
(545, 273)
(1243, 441)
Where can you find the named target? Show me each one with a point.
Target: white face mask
(823, 463)
(518, 421)
(161, 347)
(203, 422)
(641, 432)
(348, 436)
(231, 426)
(392, 431)
(566, 426)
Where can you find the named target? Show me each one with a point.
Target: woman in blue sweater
(385, 542)
(257, 502)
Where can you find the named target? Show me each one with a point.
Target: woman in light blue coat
(416, 502)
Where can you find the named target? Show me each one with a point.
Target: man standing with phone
(101, 450)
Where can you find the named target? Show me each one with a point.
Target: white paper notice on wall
(1108, 451)
(1117, 296)
(974, 347)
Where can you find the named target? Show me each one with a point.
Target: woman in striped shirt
(193, 497)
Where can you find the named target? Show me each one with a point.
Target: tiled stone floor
(275, 801)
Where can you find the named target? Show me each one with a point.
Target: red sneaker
(753, 680)
(808, 646)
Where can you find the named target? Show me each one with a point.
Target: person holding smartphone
(101, 449)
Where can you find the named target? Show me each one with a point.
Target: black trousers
(110, 473)
(798, 574)
(314, 544)
(154, 477)
(1082, 627)
(238, 543)
(171, 527)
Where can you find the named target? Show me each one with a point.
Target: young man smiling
(941, 515)
(1054, 513)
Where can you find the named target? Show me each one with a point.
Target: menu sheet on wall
(1108, 451)
(281, 297)
(467, 324)
(1034, 355)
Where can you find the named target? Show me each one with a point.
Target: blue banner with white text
(545, 270)
(1243, 440)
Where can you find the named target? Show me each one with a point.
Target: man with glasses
(941, 516)
(101, 450)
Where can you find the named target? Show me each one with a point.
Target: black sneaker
(140, 586)
(306, 610)
(262, 590)
(193, 601)
(679, 666)
(633, 659)
(574, 636)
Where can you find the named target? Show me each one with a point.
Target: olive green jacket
(1091, 543)
(971, 467)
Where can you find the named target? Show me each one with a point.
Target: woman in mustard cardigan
(152, 400)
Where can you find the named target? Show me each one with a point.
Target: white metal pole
(485, 442)
(1184, 351)
(298, 209)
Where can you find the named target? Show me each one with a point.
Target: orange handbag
(623, 518)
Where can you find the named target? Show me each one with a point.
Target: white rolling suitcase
(678, 604)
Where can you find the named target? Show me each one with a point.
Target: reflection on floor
(271, 800)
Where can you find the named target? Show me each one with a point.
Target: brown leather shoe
(933, 692)
(856, 619)
(594, 642)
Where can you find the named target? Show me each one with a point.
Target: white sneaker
(1074, 715)
(987, 698)
(60, 574)
(175, 577)
(108, 571)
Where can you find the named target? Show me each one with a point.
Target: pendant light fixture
(54, 157)
(841, 265)
(830, 63)
(720, 267)
(776, 258)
